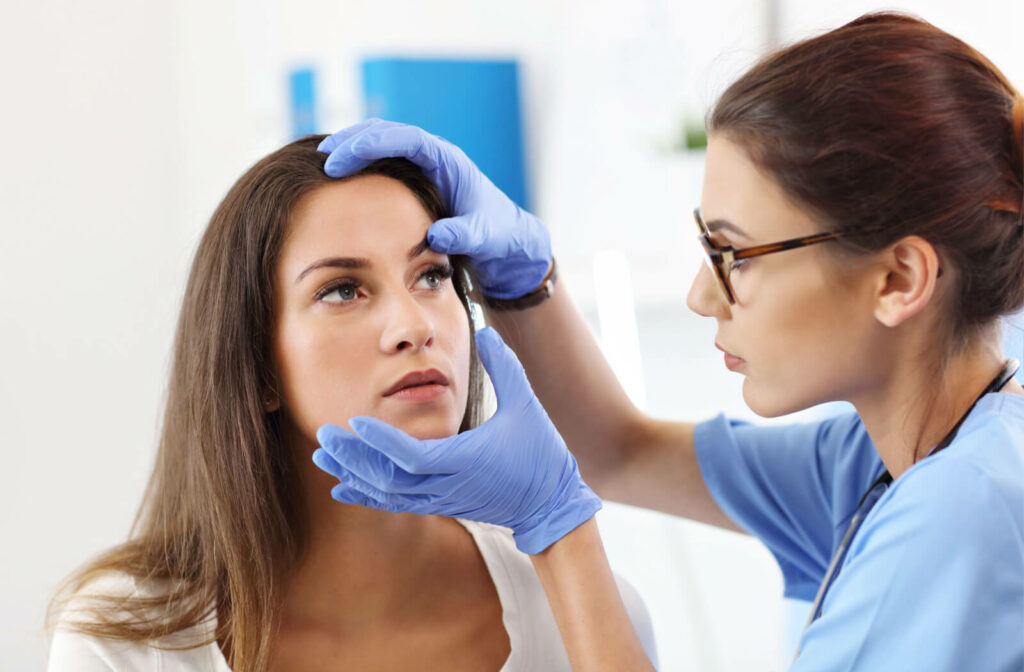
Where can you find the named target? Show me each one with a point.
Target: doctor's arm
(591, 617)
(624, 455)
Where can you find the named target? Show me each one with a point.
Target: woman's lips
(419, 392)
(419, 386)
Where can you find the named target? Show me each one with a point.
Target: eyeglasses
(723, 260)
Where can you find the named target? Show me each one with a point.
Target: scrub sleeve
(934, 579)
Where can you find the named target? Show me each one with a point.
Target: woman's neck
(910, 412)
(361, 565)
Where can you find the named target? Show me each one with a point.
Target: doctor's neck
(919, 402)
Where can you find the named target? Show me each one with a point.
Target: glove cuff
(580, 507)
(539, 295)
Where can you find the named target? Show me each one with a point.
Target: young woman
(863, 223)
(310, 300)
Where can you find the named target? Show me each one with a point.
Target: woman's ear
(270, 400)
(910, 277)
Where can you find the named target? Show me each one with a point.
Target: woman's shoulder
(74, 649)
(99, 591)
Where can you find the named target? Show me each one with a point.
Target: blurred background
(126, 123)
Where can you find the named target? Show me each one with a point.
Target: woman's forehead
(370, 216)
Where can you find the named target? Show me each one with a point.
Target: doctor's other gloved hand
(509, 248)
(514, 470)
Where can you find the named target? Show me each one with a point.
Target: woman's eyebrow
(419, 248)
(358, 262)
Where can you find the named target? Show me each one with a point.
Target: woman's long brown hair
(221, 523)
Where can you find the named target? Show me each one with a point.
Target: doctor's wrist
(542, 293)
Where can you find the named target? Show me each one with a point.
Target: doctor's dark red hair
(890, 122)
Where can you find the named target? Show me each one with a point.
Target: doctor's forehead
(738, 194)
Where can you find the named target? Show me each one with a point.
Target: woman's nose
(705, 296)
(408, 325)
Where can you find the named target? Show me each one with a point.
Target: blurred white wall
(126, 122)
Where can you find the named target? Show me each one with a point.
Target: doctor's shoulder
(962, 508)
(935, 575)
(979, 478)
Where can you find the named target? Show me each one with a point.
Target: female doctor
(862, 223)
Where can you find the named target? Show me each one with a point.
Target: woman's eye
(339, 294)
(433, 278)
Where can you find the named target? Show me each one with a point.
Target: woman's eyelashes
(436, 275)
(347, 290)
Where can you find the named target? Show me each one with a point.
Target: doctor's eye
(738, 264)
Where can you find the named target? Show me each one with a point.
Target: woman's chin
(428, 427)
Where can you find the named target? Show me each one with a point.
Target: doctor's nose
(408, 326)
(705, 296)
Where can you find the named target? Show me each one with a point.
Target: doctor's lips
(732, 362)
(419, 386)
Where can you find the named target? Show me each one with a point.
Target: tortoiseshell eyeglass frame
(721, 259)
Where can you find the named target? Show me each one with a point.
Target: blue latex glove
(514, 470)
(509, 248)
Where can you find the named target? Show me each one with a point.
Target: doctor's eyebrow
(725, 225)
(359, 262)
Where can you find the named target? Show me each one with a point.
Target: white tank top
(533, 636)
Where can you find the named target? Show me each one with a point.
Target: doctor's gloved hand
(514, 470)
(509, 248)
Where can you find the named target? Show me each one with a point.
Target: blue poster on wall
(302, 102)
(474, 104)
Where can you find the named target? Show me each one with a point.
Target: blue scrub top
(934, 578)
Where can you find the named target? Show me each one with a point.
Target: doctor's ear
(909, 274)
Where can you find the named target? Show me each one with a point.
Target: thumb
(506, 372)
(408, 453)
(464, 234)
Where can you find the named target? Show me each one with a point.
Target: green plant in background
(693, 137)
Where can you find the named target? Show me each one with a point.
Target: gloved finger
(333, 437)
(328, 144)
(385, 141)
(370, 465)
(504, 368)
(346, 494)
(385, 501)
(343, 452)
(430, 457)
(467, 234)
(410, 142)
(323, 460)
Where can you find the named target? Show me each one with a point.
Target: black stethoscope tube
(881, 484)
